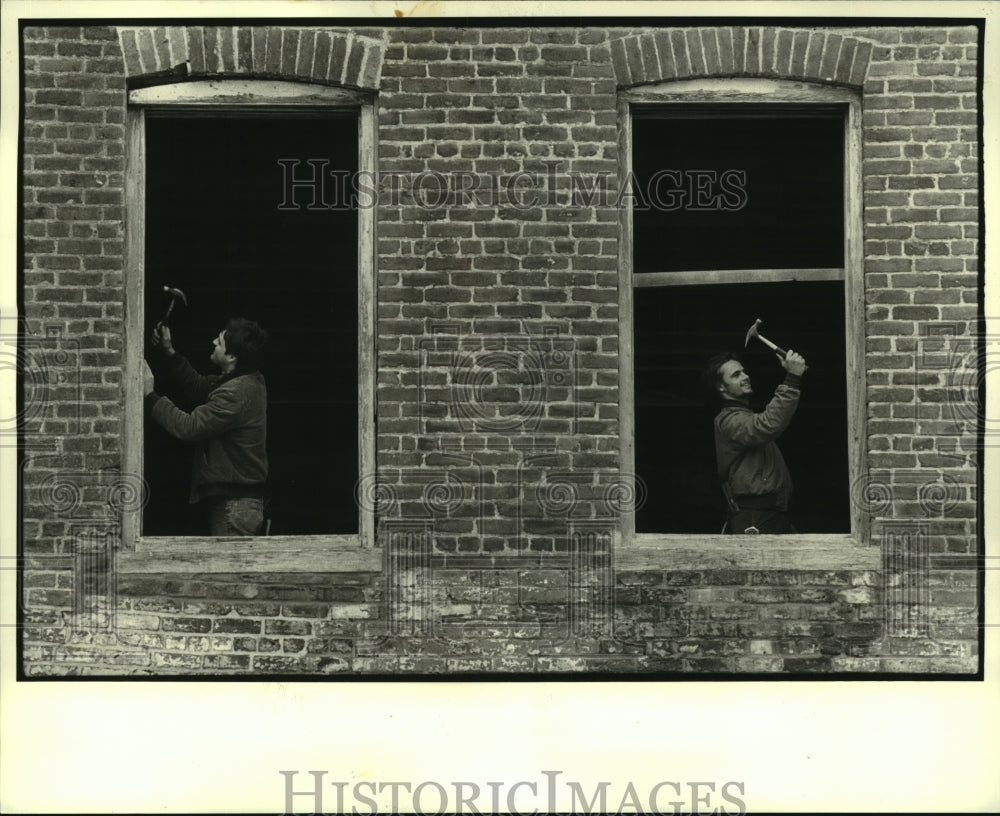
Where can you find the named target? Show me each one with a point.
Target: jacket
(229, 426)
(749, 462)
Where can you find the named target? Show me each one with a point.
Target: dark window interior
(677, 329)
(214, 229)
(791, 214)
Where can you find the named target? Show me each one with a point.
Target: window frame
(205, 554)
(764, 551)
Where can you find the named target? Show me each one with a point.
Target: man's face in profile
(734, 382)
(219, 355)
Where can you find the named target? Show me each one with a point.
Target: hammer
(752, 332)
(174, 294)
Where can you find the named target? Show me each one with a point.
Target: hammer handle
(777, 349)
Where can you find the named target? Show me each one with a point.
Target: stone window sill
(189, 555)
(316, 554)
(764, 552)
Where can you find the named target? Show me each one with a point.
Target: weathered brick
(171, 624)
(236, 626)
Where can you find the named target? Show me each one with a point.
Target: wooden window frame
(699, 551)
(204, 554)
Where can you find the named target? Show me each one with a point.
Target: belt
(764, 501)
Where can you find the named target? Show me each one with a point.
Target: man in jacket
(755, 479)
(229, 424)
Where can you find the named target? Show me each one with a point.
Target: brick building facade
(498, 469)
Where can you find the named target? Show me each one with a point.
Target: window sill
(190, 555)
(314, 554)
(764, 552)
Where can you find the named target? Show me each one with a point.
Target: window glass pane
(676, 330)
(737, 192)
(214, 229)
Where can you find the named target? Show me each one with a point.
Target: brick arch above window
(735, 51)
(329, 57)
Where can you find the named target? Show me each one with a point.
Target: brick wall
(503, 102)
(504, 589)
(278, 624)
(73, 207)
(921, 254)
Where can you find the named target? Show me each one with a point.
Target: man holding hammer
(229, 424)
(755, 479)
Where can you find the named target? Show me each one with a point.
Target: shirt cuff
(151, 399)
(793, 380)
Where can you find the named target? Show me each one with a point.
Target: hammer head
(752, 332)
(176, 293)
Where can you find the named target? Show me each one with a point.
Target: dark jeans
(766, 522)
(235, 517)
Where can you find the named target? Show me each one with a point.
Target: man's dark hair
(711, 377)
(245, 340)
